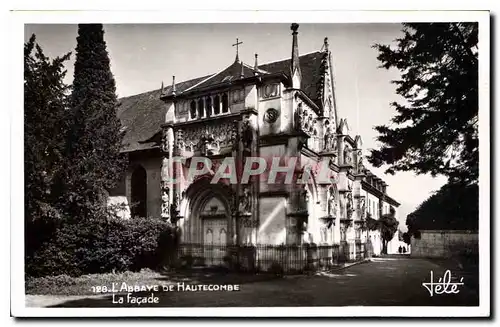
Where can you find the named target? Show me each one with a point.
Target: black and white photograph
(255, 167)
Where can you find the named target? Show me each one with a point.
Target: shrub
(187, 261)
(102, 245)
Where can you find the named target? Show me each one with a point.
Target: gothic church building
(283, 109)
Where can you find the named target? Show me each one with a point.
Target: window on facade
(270, 90)
(201, 108)
(225, 103)
(208, 103)
(216, 105)
(192, 109)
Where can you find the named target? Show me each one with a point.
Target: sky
(144, 55)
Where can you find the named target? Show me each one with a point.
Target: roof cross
(237, 44)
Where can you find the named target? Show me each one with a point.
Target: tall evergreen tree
(435, 129)
(45, 110)
(94, 139)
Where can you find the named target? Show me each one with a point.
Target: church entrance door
(214, 220)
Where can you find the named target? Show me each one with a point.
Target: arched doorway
(139, 192)
(207, 220)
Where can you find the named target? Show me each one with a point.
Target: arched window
(208, 103)
(139, 192)
(225, 103)
(201, 108)
(222, 236)
(192, 109)
(209, 237)
(216, 105)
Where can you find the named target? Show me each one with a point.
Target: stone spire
(326, 87)
(173, 85)
(256, 65)
(237, 48)
(295, 64)
(162, 91)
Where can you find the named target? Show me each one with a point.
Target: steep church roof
(235, 71)
(142, 114)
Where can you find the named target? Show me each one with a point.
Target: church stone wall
(272, 227)
(268, 153)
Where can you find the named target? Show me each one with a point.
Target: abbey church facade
(277, 111)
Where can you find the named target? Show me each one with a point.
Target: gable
(143, 114)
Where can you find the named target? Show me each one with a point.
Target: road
(381, 282)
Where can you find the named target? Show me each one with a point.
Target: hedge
(99, 246)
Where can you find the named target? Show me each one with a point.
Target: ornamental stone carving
(330, 140)
(220, 132)
(235, 139)
(179, 142)
(165, 200)
(164, 140)
(176, 203)
(298, 117)
(305, 119)
(362, 207)
(349, 205)
(208, 145)
(361, 167)
(246, 134)
(271, 115)
(347, 155)
(245, 206)
(332, 202)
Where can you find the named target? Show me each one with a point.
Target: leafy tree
(371, 224)
(407, 238)
(388, 225)
(454, 206)
(435, 129)
(94, 140)
(45, 111)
